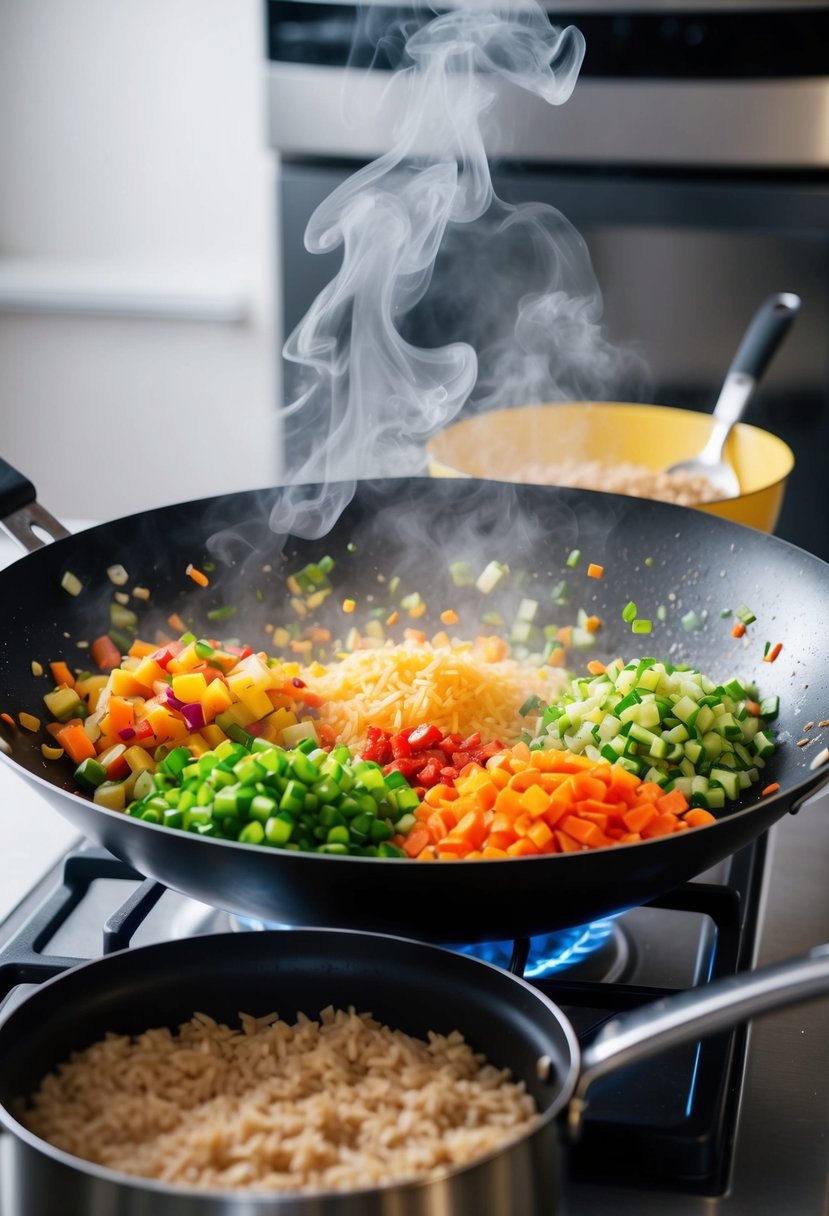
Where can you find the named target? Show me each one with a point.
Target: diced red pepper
(400, 746)
(424, 736)
(377, 746)
(430, 774)
(409, 766)
(450, 744)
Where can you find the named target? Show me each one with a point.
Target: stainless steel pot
(406, 984)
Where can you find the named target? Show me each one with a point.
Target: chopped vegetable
(773, 653)
(117, 575)
(349, 605)
(574, 558)
(196, 575)
(630, 611)
(29, 722)
(670, 725)
(37, 668)
(105, 653)
(595, 571)
(738, 630)
(71, 583)
(491, 575)
(525, 803)
(641, 625)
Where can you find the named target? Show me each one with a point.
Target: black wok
(407, 985)
(653, 553)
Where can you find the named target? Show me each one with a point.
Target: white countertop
(33, 836)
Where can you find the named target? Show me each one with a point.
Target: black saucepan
(407, 985)
(676, 563)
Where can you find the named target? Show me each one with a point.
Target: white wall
(133, 163)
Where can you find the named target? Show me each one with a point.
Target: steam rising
(363, 399)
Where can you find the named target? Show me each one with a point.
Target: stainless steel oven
(693, 157)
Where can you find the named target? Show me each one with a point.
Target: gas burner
(598, 951)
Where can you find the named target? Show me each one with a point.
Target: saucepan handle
(690, 1015)
(21, 513)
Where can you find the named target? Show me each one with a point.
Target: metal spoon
(765, 333)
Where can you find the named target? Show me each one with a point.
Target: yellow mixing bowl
(514, 444)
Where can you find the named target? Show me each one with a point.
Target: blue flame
(549, 953)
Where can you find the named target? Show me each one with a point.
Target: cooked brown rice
(685, 489)
(335, 1104)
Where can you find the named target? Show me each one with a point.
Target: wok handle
(21, 513)
(690, 1015)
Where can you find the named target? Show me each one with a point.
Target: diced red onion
(167, 697)
(193, 715)
(127, 733)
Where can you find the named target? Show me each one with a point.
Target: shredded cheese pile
(453, 687)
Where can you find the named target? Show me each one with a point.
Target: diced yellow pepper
(189, 687)
(124, 684)
(165, 725)
(256, 701)
(149, 673)
(216, 698)
(213, 735)
(185, 660)
(197, 745)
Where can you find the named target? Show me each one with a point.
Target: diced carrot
(593, 624)
(175, 622)
(105, 653)
(638, 817)
(491, 853)
(738, 630)
(416, 841)
(523, 847)
(674, 802)
(535, 801)
(662, 825)
(61, 673)
(501, 840)
(492, 649)
(9, 720)
(698, 817)
(470, 828)
(540, 835)
(773, 652)
(197, 575)
(596, 668)
(121, 715)
(584, 831)
(566, 844)
(594, 570)
(327, 733)
(770, 789)
(75, 741)
(140, 650)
